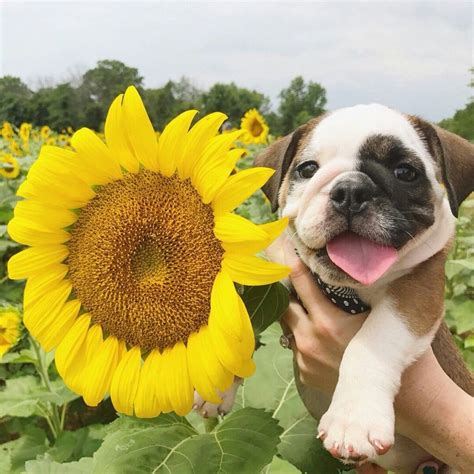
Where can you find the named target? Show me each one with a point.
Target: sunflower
(45, 132)
(7, 131)
(25, 129)
(138, 236)
(9, 329)
(9, 167)
(254, 126)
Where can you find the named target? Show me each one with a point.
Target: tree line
(86, 104)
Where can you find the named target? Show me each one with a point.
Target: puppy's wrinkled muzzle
(352, 195)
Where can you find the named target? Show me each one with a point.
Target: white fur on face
(334, 144)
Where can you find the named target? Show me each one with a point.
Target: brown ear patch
(279, 156)
(454, 156)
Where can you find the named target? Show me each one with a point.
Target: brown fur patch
(419, 295)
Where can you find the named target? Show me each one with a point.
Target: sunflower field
(47, 427)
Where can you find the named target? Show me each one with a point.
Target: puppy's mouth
(362, 259)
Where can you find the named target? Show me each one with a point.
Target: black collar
(343, 297)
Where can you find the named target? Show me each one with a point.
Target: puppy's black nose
(351, 196)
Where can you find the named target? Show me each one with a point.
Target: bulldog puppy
(372, 195)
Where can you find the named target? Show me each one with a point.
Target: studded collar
(343, 297)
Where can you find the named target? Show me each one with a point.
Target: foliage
(299, 103)
(462, 122)
(233, 100)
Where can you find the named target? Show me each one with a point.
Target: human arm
(431, 409)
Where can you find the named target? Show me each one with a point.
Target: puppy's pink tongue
(362, 259)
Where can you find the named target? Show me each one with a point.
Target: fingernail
(195, 406)
(320, 434)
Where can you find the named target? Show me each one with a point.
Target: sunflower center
(143, 258)
(256, 128)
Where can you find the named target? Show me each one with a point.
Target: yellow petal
(51, 334)
(100, 370)
(225, 310)
(198, 139)
(176, 379)
(232, 228)
(41, 284)
(116, 137)
(35, 260)
(248, 336)
(219, 376)
(43, 312)
(45, 184)
(29, 233)
(69, 356)
(250, 270)
(275, 228)
(139, 129)
(239, 187)
(44, 216)
(95, 157)
(210, 181)
(226, 349)
(172, 142)
(197, 373)
(125, 381)
(146, 402)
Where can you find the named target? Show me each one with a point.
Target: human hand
(321, 330)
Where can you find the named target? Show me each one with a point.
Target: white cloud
(413, 56)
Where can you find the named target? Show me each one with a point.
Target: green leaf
(48, 466)
(14, 454)
(245, 441)
(469, 341)
(463, 315)
(265, 304)
(25, 396)
(454, 267)
(280, 466)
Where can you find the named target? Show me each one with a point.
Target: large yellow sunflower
(138, 236)
(254, 127)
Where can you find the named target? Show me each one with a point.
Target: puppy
(371, 195)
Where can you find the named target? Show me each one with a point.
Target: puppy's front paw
(211, 410)
(358, 429)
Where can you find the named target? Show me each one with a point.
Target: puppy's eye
(405, 172)
(307, 169)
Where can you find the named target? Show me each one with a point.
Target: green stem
(210, 424)
(52, 417)
(63, 416)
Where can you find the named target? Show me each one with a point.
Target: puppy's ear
(455, 157)
(279, 156)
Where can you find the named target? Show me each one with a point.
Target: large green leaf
(280, 466)
(14, 454)
(265, 304)
(25, 396)
(246, 441)
(48, 466)
(463, 315)
(273, 387)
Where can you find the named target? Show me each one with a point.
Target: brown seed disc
(256, 128)
(143, 259)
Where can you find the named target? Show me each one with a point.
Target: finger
(309, 293)
(295, 317)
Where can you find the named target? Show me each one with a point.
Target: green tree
(170, 100)
(233, 101)
(102, 84)
(299, 103)
(14, 97)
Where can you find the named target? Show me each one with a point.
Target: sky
(412, 55)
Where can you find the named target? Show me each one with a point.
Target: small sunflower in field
(15, 148)
(9, 167)
(133, 258)
(45, 132)
(25, 129)
(254, 126)
(9, 329)
(7, 131)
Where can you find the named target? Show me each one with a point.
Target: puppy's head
(364, 187)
